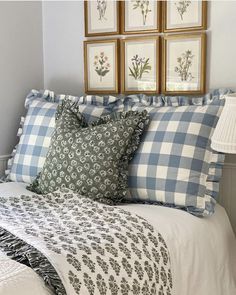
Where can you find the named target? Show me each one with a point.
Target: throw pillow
(91, 159)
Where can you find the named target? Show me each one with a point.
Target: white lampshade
(224, 136)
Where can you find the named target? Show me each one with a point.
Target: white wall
(222, 44)
(63, 34)
(21, 64)
(63, 29)
(221, 60)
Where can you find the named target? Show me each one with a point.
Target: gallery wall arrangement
(160, 47)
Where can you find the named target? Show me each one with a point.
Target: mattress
(202, 251)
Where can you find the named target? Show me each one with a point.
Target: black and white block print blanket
(82, 247)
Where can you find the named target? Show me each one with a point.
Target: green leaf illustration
(140, 65)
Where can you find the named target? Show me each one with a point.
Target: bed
(202, 251)
(94, 223)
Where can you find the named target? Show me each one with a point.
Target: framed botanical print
(138, 17)
(140, 65)
(101, 17)
(101, 66)
(184, 64)
(184, 15)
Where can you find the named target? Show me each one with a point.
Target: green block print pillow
(91, 159)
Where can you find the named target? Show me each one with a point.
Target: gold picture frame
(101, 67)
(180, 27)
(100, 32)
(130, 82)
(184, 68)
(142, 30)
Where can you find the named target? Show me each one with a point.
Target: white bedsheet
(202, 251)
(18, 279)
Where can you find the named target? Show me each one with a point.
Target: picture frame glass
(183, 64)
(141, 15)
(101, 66)
(183, 14)
(102, 16)
(140, 65)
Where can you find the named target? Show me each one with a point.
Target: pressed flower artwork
(101, 9)
(101, 17)
(182, 8)
(140, 65)
(101, 73)
(185, 15)
(184, 63)
(143, 6)
(101, 65)
(140, 16)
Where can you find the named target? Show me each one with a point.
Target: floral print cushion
(91, 159)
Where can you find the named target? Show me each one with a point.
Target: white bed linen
(202, 251)
(18, 279)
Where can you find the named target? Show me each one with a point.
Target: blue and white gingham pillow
(175, 164)
(39, 125)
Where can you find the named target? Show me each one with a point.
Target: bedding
(28, 160)
(18, 279)
(91, 159)
(202, 251)
(172, 162)
(39, 124)
(215, 98)
(82, 247)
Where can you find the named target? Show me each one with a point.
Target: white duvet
(202, 251)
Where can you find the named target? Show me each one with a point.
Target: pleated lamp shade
(224, 136)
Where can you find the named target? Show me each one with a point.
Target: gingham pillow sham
(172, 163)
(30, 154)
(215, 97)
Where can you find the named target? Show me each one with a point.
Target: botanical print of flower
(140, 65)
(182, 7)
(143, 5)
(101, 65)
(101, 8)
(185, 62)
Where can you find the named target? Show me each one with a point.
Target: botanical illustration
(182, 7)
(101, 65)
(143, 5)
(185, 62)
(140, 65)
(101, 8)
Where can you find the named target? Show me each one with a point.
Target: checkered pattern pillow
(215, 97)
(38, 127)
(172, 163)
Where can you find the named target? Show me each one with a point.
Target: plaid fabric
(142, 100)
(30, 154)
(172, 163)
(214, 174)
(215, 97)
